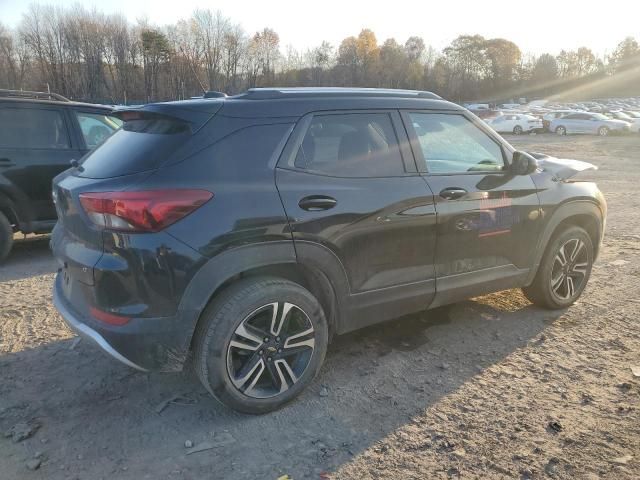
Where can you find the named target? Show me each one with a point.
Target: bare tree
(88, 55)
(210, 28)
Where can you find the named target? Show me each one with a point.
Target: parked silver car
(593, 123)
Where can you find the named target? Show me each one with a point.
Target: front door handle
(317, 203)
(453, 193)
(5, 162)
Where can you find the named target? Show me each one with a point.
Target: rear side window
(96, 128)
(351, 145)
(451, 143)
(141, 144)
(32, 128)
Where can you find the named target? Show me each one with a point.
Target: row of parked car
(601, 117)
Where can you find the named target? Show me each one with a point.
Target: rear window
(140, 145)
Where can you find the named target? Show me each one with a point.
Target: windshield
(599, 116)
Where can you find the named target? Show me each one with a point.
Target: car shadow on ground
(98, 417)
(29, 257)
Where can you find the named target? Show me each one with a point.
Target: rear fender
(214, 274)
(220, 269)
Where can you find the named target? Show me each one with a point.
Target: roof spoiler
(195, 116)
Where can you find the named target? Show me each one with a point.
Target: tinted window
(452, 144)
(351, 145)
(140, 145)
(32, 128)
(96, 128)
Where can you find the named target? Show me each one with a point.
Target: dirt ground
(487, 388)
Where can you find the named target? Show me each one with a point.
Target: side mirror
(523, 164)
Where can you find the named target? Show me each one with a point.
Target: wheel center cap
(271, 349)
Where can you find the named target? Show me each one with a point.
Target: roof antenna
(204, 90)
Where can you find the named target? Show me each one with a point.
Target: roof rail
(35, 95)
(299, 92)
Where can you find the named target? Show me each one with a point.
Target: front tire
(603, 131)
(260, 343)
(6, 237)
(517, 130)
(564, 271)
(561, 131)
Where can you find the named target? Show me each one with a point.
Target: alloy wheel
(569, 270)
(270, 350)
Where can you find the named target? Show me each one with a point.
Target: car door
(583, 123)
(499, 123)
(488, 218)
(349, 186)
(35, 145)
(510, 123)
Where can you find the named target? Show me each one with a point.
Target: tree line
(88, 55)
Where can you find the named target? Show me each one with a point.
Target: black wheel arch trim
(219, 270)
(572, 208)
(7, 207)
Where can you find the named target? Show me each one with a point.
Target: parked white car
(594, 123)
(548, 117)
(515, 123)
(625, 117)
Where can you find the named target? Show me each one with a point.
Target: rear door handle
(453, 193)
(5, 162)
(316, 203)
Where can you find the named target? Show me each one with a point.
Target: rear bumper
(85, 331)
(145, 344)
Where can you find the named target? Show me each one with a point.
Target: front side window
(351, 145)
(450, 143)
(96, 128)
(32, 128)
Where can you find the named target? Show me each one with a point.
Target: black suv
(40, 133)
(243, 232)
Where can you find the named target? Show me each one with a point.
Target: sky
(536, 27)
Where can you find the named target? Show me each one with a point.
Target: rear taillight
(142, 211)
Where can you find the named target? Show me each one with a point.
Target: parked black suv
(40, 133)
(244, 231)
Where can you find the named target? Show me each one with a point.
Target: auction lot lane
(487, 388)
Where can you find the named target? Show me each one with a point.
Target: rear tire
(253, 357)
(517, 130)
(564, 271)
(603, 131)
(6, 237)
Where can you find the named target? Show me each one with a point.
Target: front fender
(591, 208)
